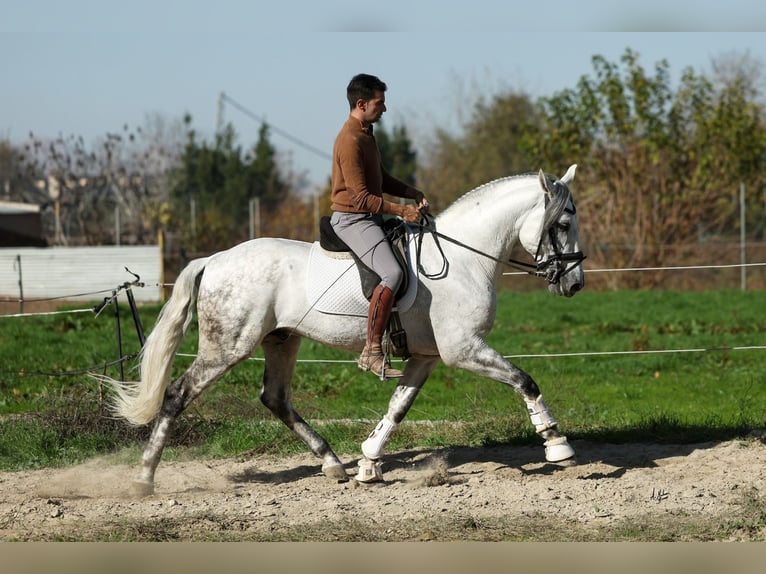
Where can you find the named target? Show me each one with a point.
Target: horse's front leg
(416, 372)
(485, 361)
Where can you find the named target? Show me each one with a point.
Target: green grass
(659, 397)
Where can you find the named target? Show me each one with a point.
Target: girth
(396, 236)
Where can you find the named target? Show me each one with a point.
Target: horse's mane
(485, 186)
(560, 195)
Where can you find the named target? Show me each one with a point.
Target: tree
(396, 153)
(215, 183)
(658, 167)
(14, 183)
(264, 178)
(85, 186)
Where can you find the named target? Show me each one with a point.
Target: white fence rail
(76, 273)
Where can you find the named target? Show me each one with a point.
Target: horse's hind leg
(200, 375)
(280, 353)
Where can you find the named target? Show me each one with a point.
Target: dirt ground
(497, 493)
(427, 494)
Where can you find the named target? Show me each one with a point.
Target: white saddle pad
(333, 285)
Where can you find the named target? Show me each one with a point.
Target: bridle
(559, 264)
(553, 268)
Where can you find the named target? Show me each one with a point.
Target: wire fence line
(509, 273)
(42, 313)
(670, 268)
(556, 355)
(96, 311)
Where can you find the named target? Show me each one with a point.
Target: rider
(358, 183)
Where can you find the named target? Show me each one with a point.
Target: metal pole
(136, 318)
(57, 211)
(117, 226)
(119, 334)
(250, 222)
(193, 208)
(742, 240)
(257, 216)
(161, 246)
(21, 285)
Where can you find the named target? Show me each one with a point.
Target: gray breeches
(363, 233)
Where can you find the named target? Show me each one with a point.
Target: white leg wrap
(373, 447)
(369, 471)
(539, 414)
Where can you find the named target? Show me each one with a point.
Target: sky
(89, 67)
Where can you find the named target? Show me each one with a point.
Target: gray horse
(254, 294)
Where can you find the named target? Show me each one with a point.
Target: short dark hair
(363, 87)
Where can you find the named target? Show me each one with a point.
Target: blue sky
(87, 67)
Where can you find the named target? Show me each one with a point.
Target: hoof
(142, 489)
(369, 471)
(558, 450)
(335, 472)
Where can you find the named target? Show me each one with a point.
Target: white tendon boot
(372, 448)
(557, 448)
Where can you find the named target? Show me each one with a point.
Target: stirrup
(378, 365)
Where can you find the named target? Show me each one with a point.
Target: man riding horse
(358, 183)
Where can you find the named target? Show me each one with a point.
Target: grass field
(613, 366)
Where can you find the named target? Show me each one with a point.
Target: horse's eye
(563, 226)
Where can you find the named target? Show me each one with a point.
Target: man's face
(373, 109)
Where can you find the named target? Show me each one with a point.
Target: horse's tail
(140, 402)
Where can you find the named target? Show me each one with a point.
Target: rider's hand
(411, 214)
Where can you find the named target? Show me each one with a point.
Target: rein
(431, 228)
(549, 268)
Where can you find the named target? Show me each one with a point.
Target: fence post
(21, 285)
(161, 245)
(742, 240)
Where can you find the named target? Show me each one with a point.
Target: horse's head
(554, 233)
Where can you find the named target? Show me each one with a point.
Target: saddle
(397, 236)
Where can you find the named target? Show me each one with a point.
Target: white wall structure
(80, 273)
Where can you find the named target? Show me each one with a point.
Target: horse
(253, 295)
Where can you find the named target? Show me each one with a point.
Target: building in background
(20, 225)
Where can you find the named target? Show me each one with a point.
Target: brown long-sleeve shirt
(358, 178)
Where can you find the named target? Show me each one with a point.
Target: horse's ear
(544, 182)
(569, 175)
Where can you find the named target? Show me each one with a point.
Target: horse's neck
(489, 218)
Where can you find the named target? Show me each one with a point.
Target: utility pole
(219, 114)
